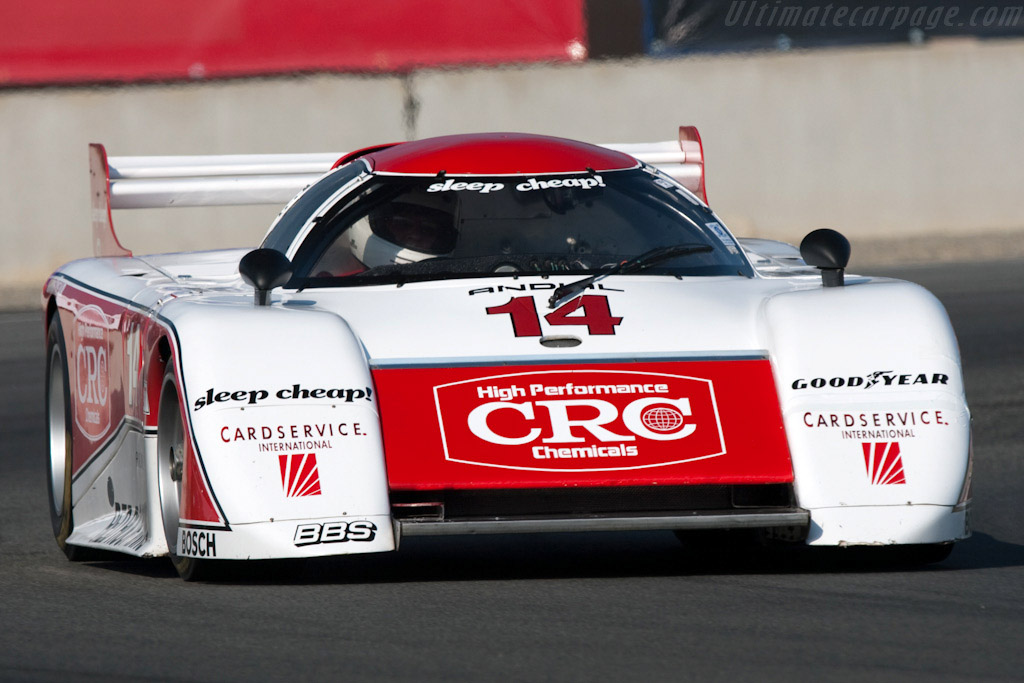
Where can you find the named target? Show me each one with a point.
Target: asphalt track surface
(554, 607)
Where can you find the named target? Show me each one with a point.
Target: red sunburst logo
(299, 475)
(883, 463)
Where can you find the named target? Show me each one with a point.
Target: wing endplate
(104, 239)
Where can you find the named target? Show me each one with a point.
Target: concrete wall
(877, 142)
(874, 142)
(44, 134)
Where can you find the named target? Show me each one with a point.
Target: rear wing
(146, 182)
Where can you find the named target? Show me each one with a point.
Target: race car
(483, 334)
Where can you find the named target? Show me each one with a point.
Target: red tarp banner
(83, 41)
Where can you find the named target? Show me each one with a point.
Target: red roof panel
(497, 154)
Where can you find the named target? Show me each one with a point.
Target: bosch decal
(292, 393)
(879, 378)
(195, 543)
(579, 420)
(335, 532)
(883, 463)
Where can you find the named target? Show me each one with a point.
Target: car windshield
(412, 228)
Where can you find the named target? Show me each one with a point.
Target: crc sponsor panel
(579, 420)
(94, 335)
(649, 422)
(91, 341)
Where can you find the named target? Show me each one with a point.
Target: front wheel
(171, 443)
(58, 429)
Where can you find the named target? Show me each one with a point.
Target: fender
(874, 408)
(286, 431)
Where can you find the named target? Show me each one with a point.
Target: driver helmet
(404, 231)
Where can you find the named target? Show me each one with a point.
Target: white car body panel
(856, 368)
(442, 322)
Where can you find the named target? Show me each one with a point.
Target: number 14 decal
(597, 316)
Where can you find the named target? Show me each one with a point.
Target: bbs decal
(335, 532)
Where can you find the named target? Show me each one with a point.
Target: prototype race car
(492, 333)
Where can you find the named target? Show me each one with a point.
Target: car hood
(510, 320)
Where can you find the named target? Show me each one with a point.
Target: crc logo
(659, 419)
(91, 338)
(579, 420)
(335, 532)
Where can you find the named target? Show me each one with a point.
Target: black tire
(58, 429)
(171, 438)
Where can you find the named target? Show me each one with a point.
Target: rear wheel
(170, 473)
(58, 429)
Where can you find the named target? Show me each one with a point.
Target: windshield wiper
(633, 265)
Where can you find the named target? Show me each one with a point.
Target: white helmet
(402, 232)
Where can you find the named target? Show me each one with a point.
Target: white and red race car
(491, 333)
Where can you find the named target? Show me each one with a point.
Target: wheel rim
(171, 448)
(56, 415)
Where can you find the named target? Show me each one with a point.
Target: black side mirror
(265, 269)
(829, 251)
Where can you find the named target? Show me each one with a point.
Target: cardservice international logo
(579, 420)
(299, 475)
(883, 463)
